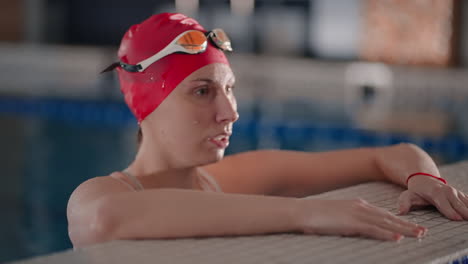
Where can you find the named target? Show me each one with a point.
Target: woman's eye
(202, 91)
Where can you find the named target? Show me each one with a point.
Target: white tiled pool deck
(446, 241)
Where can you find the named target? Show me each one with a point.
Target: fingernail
(398, 237)
(424, 230)
(418, 232)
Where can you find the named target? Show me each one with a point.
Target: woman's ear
(139, 135)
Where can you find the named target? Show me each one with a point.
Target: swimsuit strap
(134, 180)
(114, 176)
(210, 180)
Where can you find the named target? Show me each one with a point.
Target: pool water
(52, 145)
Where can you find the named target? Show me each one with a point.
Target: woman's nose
(227, 109)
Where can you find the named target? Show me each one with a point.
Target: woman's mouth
(220, 141)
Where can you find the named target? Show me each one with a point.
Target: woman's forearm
(175, 213)
(399, 161)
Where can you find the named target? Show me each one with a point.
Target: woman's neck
(151, 168)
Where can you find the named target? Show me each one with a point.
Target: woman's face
(193, 124)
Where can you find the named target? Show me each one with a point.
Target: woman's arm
(295, 173)
(397, 162)
(299, 174)
(177, 213)
(172, 213)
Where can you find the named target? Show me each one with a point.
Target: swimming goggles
(188, 42)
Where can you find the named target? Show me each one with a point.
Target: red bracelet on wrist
(425, 174)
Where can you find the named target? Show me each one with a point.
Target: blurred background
(312, 75)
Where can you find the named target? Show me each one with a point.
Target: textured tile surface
(446, 241)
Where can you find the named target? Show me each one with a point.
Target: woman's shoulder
(95, 188)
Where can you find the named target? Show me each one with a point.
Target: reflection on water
(55, 157)
(47, 157)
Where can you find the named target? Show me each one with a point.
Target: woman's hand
(354, 218)
(423, 191)
(399, 161)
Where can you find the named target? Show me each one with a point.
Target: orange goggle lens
(193, 41)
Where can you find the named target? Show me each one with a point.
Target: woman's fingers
(445, 207)
(356, 218)
(391, 222)
(405, 227)
(376, 232)
(459, 205)
(464, 198)
(409, 200)
(404, 202)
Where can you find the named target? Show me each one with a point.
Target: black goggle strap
(135, 68)
(125, 66)
(111, 67)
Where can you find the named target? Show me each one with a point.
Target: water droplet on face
(164, 85)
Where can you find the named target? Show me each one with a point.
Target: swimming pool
(57, 143)
(63, 124)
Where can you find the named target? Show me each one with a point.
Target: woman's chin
(214, 157)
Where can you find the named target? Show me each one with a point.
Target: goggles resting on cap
(188, 42)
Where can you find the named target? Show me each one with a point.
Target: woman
(178, 83)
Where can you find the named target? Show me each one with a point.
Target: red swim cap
(144, 91)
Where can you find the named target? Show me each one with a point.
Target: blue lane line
(113, 113)
(462, 260)
(80, 111)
